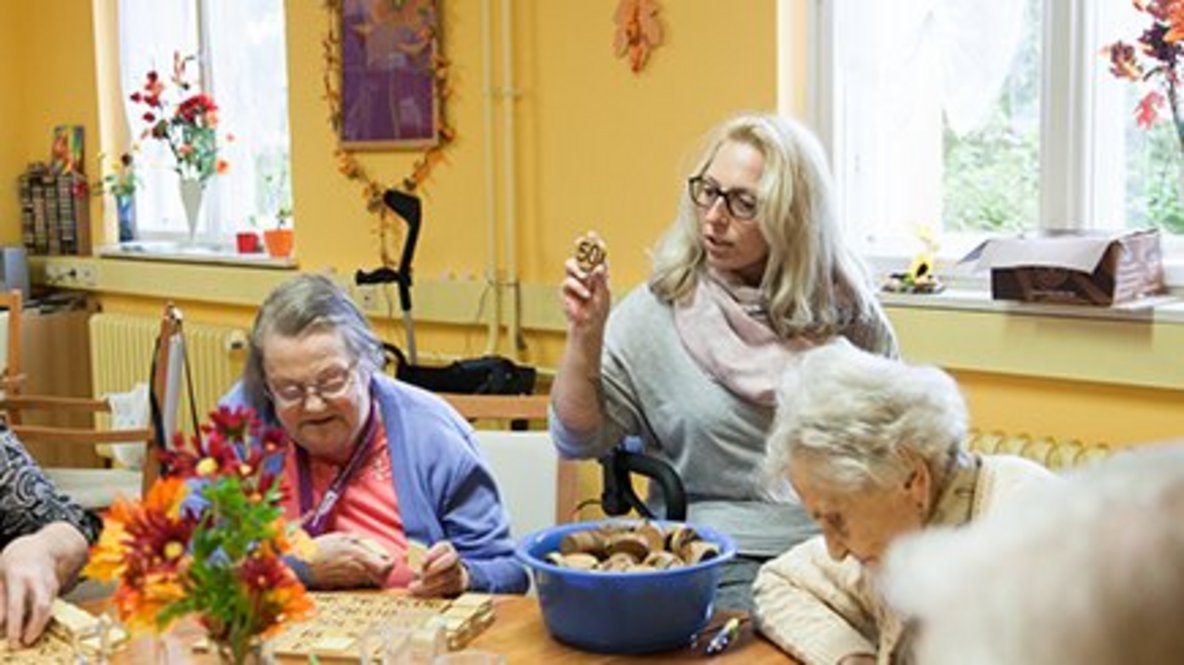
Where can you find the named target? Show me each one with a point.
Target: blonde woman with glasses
(377, 466)
(752, 272)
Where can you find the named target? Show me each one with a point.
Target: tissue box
(1081, 267)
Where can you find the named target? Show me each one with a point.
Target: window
(243, 66)
(985, 116)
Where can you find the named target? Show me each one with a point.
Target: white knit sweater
(821, 610)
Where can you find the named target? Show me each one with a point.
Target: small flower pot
(247, 242)
(278, 242)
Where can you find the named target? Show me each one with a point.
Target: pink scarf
(725, 328)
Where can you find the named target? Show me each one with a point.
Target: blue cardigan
(444, 488)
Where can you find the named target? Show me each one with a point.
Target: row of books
(55, 211)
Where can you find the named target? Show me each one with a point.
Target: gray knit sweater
(715, 440)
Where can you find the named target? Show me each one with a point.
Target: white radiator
(1056, 455)
(121, 356)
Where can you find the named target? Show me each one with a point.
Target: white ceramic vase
(193, 192)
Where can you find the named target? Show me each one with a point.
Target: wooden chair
(538, 489)
(97, 487)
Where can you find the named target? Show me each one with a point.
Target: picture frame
(390, 97)
(65, 154)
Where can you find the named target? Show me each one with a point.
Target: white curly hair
(855, 415)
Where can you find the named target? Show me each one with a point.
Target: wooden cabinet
(55, 359)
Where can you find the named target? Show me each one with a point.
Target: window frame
(216, 232)
(1068, 122)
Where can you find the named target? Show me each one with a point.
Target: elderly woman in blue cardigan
(378, 468)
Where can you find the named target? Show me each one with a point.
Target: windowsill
(967, 290)
(202, 253)
(1156, 309)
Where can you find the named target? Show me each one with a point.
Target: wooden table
(517, 633)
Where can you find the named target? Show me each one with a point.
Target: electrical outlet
(368, 297)
(87, 275)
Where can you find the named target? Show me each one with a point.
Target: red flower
(1148, 109)
(186, 122)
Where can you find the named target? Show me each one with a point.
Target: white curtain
(900, 67)
(149, 32)
(955, 53)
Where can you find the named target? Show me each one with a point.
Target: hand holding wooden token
(590, 252)
(417, 553)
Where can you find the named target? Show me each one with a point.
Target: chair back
(165, 390)
(537, 488)
(168, 367)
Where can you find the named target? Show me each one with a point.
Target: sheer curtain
(901, 67)
(149, 33)
(243, 65)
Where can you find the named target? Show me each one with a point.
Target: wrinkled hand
(344, 561)
(444, 574)
(28, 584)
(586, 297)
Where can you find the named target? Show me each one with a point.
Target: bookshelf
(55, 214)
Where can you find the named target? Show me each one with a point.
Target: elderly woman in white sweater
(874, 449)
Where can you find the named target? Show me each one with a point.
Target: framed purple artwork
(389, 97)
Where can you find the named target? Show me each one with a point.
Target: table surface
(518, 633)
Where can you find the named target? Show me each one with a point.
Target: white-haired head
(1088, 571)
(859, 417)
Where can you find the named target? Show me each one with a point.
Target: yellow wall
(597, 147)
(52, 69)
(1064, 410)
(11, 152)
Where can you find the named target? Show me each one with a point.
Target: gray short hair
(305, 304)
(855, 413)
(1087, 571)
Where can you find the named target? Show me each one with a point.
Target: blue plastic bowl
(611, 612)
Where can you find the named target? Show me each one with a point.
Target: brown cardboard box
(1081, 268)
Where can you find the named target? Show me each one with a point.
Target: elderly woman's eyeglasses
(330, 386)
(740, 204)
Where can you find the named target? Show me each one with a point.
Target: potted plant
(120, 182)
(279, 240)
(247, 242)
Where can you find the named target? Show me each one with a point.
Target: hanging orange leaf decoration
(638, 31)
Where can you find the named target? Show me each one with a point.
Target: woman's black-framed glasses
(330, 386)
(740, 203)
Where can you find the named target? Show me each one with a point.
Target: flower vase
(192, 194)
(253, 653)
(125, 212)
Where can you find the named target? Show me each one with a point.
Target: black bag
(487, 375)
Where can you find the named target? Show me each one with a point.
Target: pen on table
(723, 639)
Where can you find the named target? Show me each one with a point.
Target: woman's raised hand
(585, 292)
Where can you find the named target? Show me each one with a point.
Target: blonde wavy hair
(815, 285)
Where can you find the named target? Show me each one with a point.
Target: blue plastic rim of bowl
(613, 612)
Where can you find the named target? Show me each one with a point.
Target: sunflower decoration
(920, 277)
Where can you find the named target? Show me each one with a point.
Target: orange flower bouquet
(209, 539)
